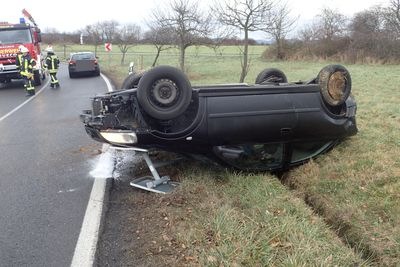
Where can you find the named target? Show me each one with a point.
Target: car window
(83, 56)
(307, 150)
(257, 157)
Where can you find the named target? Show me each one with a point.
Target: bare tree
(246, 16)
(162, 38)
(51, 36)
(366, 30)
(109, 30)
(127, 36)
(393, 17)
(95, 34)
(281, 25)
(331, 24)
(330, 28)
(187, 21)
(308, 36)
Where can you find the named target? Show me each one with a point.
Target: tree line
(372, 34)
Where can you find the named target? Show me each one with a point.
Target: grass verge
(253, 220)
(219, 218)
(355, 187)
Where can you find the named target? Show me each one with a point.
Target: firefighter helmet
(23, 49)
(49, 49)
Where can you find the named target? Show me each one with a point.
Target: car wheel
(164, 92)
(71, 75)
(271, 75)
(131, 81)
(36, 78)
(335, 83)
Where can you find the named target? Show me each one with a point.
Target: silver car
(83, 63)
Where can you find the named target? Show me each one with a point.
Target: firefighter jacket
(27, 64)
(18, 60)
(52, 63)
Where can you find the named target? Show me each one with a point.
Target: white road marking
(85, 249)
(25, 102)
(109, 86)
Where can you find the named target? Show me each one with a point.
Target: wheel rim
(164, 93)
(337, 85)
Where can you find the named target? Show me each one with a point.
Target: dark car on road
(83, 63)
(270, 125)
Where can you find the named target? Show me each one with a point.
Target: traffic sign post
(108, 48)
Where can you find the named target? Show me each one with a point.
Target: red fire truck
(11, 37)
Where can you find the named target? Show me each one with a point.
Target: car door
(256, 117)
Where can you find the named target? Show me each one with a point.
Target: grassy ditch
(252, 219)
(356, 186)
(222, 218)
(218, 218)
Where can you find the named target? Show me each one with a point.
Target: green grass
(361, 177)
(251, 220)
(254, 220)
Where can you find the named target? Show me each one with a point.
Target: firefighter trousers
(28, 84)
(54, 82)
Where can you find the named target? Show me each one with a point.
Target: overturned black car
(271, 125)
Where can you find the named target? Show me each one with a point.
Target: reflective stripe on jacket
(27, 65)
(52, 62)
(18, 60)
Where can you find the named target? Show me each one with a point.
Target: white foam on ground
(124, 161)
(104, 164)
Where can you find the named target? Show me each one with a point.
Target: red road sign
(108, 47)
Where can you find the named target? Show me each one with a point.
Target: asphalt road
(45, 160)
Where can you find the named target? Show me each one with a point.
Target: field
(341, 209)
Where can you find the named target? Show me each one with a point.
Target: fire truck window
(15, 36)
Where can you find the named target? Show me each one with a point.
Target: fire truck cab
(11, 37)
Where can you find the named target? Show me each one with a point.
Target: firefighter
(51, 64)
(18, 58)
(26, 70)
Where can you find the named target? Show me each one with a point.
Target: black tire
(71, 75)
(271, 75)
(131, 81)
(164, 92)
(37, 78)
(335, 83)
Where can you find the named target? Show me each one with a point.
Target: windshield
(12, 36)
(83, 56)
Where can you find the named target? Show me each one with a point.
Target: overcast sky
(72, 15)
